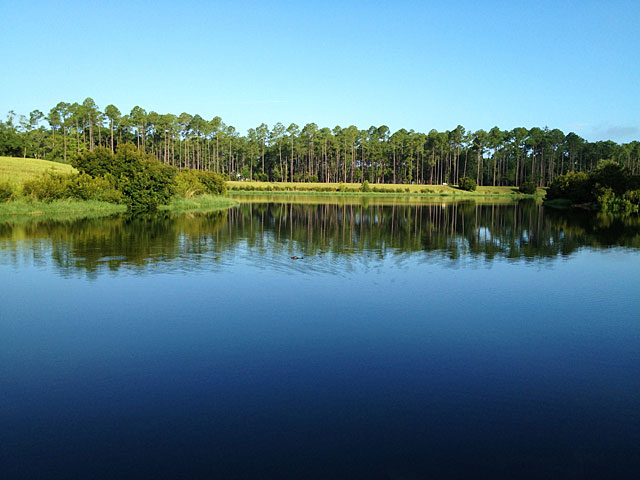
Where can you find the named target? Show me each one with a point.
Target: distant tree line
(311, 153)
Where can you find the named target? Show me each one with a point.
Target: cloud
(621, 131)
(617, 133)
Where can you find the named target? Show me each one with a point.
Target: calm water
(436, 340)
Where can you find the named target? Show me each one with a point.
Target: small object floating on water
(295, 257)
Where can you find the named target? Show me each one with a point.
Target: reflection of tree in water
(134, 241)
(271, 232)
(518, 230)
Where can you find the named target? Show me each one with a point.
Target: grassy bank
(58, 208)
(376, 189)
(91, 208)
(201, 203)
(17, 170)
(365, 200)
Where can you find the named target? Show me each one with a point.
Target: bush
(84, 187)
(365, 187)
(609, 174)
(215, 184)
(528, 188)
(574, 186)
(6, 191)
(467, 183)
(47, 187)
(188, 184)
(147, 185)
(98, 163)
(144, 181)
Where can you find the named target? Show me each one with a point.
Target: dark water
(441, 340)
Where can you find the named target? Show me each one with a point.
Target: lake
(409, 340)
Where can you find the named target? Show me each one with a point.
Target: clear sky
(414, 65)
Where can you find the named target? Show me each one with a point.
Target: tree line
(313, 154)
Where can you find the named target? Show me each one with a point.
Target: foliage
(467, 183)
(6, 191)
(309, 154)
(144, 182)
(215, 184)
(574, 186)
(528, 188)
(188, 184)
(98, 163)
(609, 174)
(84, 187)
(610, 186)
(626, 204)
(52, 186)
(191, 183)
(47, 187)
(365, 187)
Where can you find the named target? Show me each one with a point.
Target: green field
(354, 188)
(17, 170)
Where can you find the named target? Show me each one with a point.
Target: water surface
(426, 340)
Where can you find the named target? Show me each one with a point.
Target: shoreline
(19, 210)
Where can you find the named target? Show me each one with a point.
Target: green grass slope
(17, 170)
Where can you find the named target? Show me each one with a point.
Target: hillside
(17, 170)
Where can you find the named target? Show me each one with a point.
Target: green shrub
(83, 187)
(528, 188)
(574, 186)
(631, 202)
(215, 184)
(6, 191)
(365, 187)
(144, 181)
(47, 187)
(188, 184)
(467, 183)
(609, 174)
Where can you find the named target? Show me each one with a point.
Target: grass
(378, 189)
(17, 170)
(200, 203)
(315, 198)
(58, 208)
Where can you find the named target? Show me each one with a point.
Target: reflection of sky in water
(199, 349)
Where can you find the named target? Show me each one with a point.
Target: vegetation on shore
(199, 203)
(610, 187)
(61, 207)
(108, 183)
(494, 157)
(373, 189)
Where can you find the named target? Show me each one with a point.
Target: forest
(491, 157)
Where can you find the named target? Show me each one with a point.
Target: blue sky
(414, 65)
